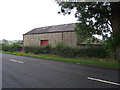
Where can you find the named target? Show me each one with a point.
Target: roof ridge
(54, 25)
(53, 28)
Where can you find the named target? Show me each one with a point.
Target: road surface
(28, 72)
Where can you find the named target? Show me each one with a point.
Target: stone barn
(51, 35)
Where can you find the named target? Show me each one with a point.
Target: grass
(79, 60)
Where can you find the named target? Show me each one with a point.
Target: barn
(51, 35)
(55, 34)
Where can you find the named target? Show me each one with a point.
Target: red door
(44, 42)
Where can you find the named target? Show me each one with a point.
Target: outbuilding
(51, 35)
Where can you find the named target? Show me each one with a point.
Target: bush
(38, 49)
(29, 49)
(11, 47)
(91, 52)
(112, 43)
(0, 46)
(63, 50)
(16, 47)
(66, 51)
(26, 49)
(47, 49)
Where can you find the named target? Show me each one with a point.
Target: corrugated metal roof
(55, 28)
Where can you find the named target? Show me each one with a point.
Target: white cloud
(20, 16)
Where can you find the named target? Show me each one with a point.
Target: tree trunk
(115, 21)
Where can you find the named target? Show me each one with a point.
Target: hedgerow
(11, 47)
(38, 49)
(60, 49)
(66, 51)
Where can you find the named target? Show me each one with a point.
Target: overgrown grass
(111, 64)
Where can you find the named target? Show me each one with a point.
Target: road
(28, 72)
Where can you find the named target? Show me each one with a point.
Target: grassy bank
(82, 60)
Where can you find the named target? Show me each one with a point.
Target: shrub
(26, 49)
(4, 47)
(0, 46)
(30, 49)
(47, 49)
(91, 52)
(63, 50)
(16, 47)
(43, 49)
(66, 51)
(11, 47)
(38, 49)
(112, 43)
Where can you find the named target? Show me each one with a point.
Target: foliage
(65, 51)
(111, 43)
(99, 52)
(60, 49)
(96, 18)
(93, 17)
(0, 46)
(38, 49)
(11, 47)
(5, 41)
(28, 49)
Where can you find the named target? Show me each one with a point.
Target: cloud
(20, 16)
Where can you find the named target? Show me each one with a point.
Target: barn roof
(55, 28)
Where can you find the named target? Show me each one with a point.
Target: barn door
(43, 42)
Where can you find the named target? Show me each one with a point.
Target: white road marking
(100, 80)
(16, 61)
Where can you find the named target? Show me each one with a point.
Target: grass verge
(111, 64)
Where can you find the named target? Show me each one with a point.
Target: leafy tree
(96, 18)
(5, 41)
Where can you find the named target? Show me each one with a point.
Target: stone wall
(68, 38)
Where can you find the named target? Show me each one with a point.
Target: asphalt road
(27, 72)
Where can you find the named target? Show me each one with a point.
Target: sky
(20, 16)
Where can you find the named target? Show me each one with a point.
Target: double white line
(16, 61)
(100, 80)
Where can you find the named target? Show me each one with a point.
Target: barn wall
(68, 38)
(34, 39)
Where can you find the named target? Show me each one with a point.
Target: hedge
(38, 49)
(91, 52)
(60, 49)
(11, 47)
(66, 51)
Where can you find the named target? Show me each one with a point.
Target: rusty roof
(54, 28)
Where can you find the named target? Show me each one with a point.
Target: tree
(96, 18)
(5, 41)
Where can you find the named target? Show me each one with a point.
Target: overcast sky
(20, 16)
